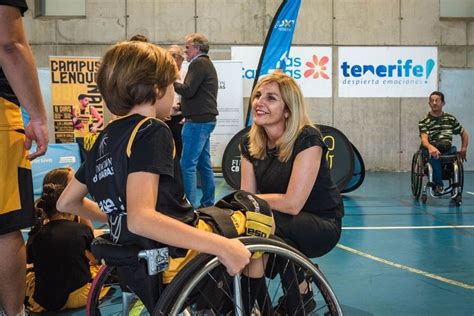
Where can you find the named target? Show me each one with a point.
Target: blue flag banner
(277, 43)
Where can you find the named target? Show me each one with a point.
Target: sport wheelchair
(422, 177)
(203, 287)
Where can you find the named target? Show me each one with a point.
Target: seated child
(57, 248)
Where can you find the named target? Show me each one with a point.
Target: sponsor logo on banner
(387, 71)
(317, 68)
(285, 25)
(309, 66)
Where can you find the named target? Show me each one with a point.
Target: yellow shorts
(76, 299)
(176, 264)
(16, 192)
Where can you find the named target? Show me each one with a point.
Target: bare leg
(12, 272)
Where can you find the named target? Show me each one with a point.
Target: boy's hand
(234, 256)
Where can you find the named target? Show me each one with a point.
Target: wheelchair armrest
(114, 254)
(448, 158)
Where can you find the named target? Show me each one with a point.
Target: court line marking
(472, 193)
(406, 268)
(405, 227)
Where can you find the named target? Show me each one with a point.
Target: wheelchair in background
(422, 183)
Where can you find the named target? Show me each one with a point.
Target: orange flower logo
(317, 68)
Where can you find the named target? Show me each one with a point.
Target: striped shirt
(440, 129)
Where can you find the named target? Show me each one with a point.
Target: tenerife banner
(276, 49)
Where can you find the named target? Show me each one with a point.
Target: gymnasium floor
(396, 255)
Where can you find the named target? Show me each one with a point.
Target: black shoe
(308, 302)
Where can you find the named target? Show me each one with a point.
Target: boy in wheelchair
(436, 133)
(134, 178)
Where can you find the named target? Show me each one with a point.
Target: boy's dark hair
(81, 96)
(438, 93)
(134, 73)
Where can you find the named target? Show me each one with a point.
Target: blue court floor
(400, 257)
(396, 255)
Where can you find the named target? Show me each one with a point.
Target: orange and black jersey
(134, 144)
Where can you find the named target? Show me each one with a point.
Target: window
(456, 9)
(60, 8)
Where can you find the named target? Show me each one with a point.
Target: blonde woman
(283, 161)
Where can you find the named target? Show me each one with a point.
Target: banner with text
(78, 107)
(230, 106)
(393, 72)
(311, 67)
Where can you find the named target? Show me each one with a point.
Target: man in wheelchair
(436, 133)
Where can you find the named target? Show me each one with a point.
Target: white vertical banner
(311, 67)
(393, 72)
(230, 105)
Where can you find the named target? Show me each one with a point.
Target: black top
(109, 163)
(199, 91)
(273, 176)
(20, 4)
(5, 89)
(57, 251)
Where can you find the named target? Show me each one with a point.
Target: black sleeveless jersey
(130, 144)
(6, 91)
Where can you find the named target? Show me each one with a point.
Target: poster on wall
(78, 107)
(230, 105)
(390, 72)
(311, 67)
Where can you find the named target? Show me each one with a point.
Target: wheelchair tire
(417, 174)
(185, 294)
(112, 302)
(424, 197)
(461, 175)
(458, 199)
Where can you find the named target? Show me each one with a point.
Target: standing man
(436, 133)
(18, 85)
(199, 108)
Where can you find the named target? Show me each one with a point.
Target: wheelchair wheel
(424, 197)
(461, 175)
(417, 174)
(115, 301)
(458, 199)
(204, 288)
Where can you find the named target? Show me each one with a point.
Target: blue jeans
(436, 165)
(196, 156)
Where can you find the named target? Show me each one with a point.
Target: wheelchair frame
(183, 296)
(421, 169)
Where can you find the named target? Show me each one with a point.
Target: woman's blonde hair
(130, 73)
(297, 118)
